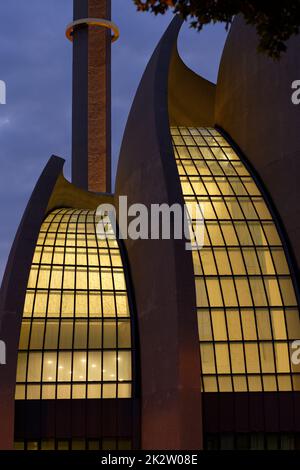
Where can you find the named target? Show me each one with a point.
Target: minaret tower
(92, 33)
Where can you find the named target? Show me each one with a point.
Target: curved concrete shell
(254, 106)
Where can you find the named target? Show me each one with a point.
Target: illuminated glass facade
(76, 331)
(246, 304)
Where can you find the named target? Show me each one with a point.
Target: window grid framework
(75, 444)
(75, 338)
(246, 305)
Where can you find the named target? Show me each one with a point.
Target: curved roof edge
(191, 97)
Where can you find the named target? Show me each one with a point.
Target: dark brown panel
(253, 412)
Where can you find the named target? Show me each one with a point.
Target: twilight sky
(36, 62)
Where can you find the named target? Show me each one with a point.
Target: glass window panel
(109, 365)
(22, 365)
(248, 324)
(37, 334)
(64, 391)
(80, 336)
(234, 325)
(269, 383)
(48, 392)
(222, 211)
(24, 335)
(122, 305)
(94, 391)
(234, 208)
(271, 234)
(78, 391)
(64, 367)
(252, 358)
(222, 262)
(79, 366)
(265, 261)
(95, 334)
(48, 444)
(236, 261)
(201, 295)
(124, 391)
(124, 366)
(95, 366)
(49, 367)
(273, 293)
(214, 293)
(262, 210)
(237, 358)
(109, 335)
(215, 234)
(284, 383)
(243, 234)
(28, 307)
(243, 291)
(219, 325)
(222, 358)
(34, 367)
(119, 280)
(197, 263)
(109, 305)
(124, 334)
(66, 335)
(32, 277)
(293, 323)
(278, 324)
(56, 278)
(257, 234)
(54, 304)
(207, 358)
(287, 291)
(251, 187)
(210, 384)
(69, 278)
(225, 384)
(240, 384)
(255, 383)
(229, 294)
(81, 304)
(208, 262)
(67, 304)
(280, 261)
(282, 357)
(51, 334)
(33, 392)
(263, 324)
(226, 188)
(267, 357)
(40, 304)
(204, 325)
(258, 292)
(251, 261)
(109, 390)
(20, 392)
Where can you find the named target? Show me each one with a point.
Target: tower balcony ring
(93, 22)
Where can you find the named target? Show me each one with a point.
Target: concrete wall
(253, 105)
